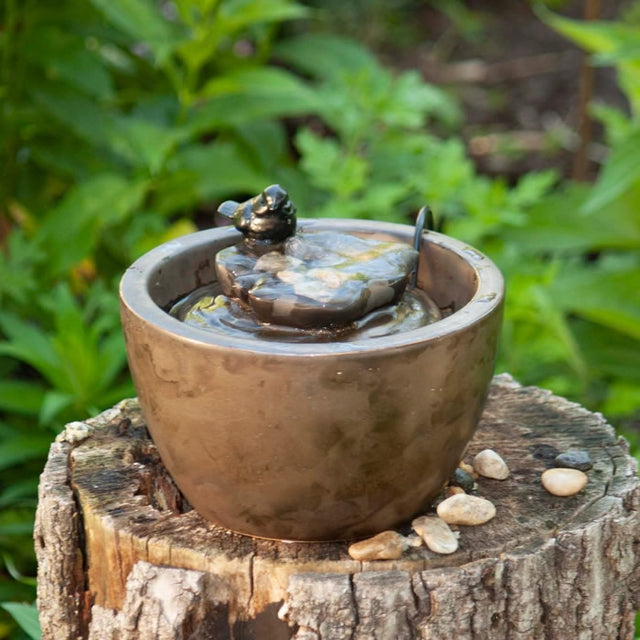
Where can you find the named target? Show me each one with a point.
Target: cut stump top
(107, 472)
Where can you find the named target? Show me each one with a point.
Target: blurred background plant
(125, 123)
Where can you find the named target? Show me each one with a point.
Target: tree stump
(123, 557)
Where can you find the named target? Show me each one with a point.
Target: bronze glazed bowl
(319, 441)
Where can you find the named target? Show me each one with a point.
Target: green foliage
(369, 168)
(26, 615)
(119, 121)
(601, 222)
(569, 252)
(123, 120)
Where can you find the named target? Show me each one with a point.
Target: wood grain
(122, 556)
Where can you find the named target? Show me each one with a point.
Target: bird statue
(266, 219)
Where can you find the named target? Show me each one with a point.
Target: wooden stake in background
(585, 125)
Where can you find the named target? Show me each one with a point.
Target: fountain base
(322, 440)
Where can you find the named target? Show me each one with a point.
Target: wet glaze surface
(316, 287)
(209, 309)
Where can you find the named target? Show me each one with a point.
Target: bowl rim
(488, 298)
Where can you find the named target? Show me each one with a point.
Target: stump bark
(123, 557)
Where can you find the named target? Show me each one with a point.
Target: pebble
(465, 509)
(462, 478)
(564, 482)
(544, 452)
(574, 459)
(454, 491)
(469, 469)
(384, 546)
(490, 465)
(413, 541)
(436, 534)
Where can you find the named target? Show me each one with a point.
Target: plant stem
(579, 171)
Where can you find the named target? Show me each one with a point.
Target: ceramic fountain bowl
(319, 441)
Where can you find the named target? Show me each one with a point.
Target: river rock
(463, 479)
(564, 482)
(574, 459)
(413, 541)
(466, 509)
(436, 534)
(469, 469)
(490, 465)
(384, 546)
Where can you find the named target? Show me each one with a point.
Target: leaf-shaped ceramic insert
(322, 279)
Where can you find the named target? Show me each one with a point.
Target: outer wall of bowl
(313, 443)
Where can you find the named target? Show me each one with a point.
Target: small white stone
(384, 546)
(466, 509)
(564, 482)
(436, 534)
(490, 465)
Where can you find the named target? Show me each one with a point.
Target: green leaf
(28, 343)
(616, 123)
(238, 14)
(116, 393)
(266, 141)
(623, 399)
(15, 529)
(85, 71)
(112, 355)
(531, 187)
(176, 193)
(81, 114)
(21, 492)
(18, 263)
(21, 396)
(268, 83)
(26, 615)
(607, 297)
(145, 143)
(16, 590)
(609, 352)
(613, 42)
(330, 167)
(53, 403)
(20, 448)
(556, 223)
(326, 56)
(15, 573)
(219, 170)
(63, 55)
(69, 157)
(72, 229)
(621, 172)
(251, 94)
(595, 35)
(142, 21)
(411, 99)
